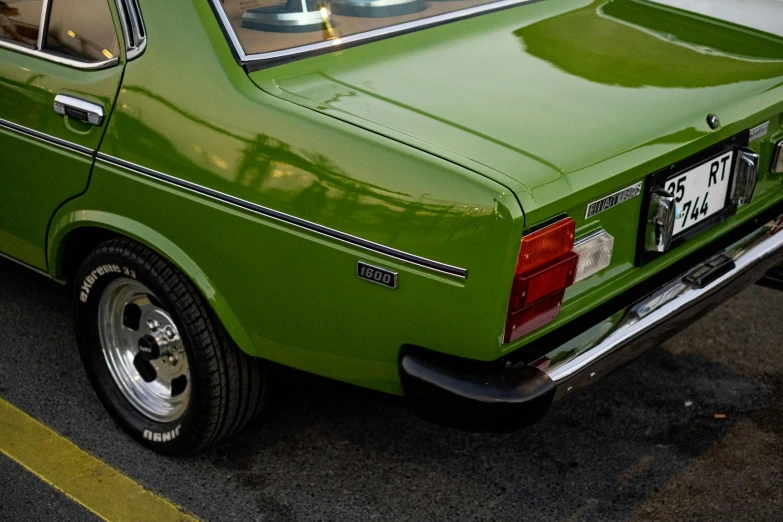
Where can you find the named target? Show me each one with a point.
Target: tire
(198, 390)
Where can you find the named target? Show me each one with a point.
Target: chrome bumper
(629, 333)
(508, 394)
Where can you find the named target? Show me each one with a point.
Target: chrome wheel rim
(143, 350)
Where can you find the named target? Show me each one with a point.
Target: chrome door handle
(79, 109)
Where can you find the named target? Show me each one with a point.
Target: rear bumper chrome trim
(625, 335)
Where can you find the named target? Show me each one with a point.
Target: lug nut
(172, 360)
(168, 333)
(152, 325)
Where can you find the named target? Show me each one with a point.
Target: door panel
(45, 158)
(36, 178)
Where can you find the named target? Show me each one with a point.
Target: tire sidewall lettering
(92, 284)
(88, 282)
(197, 426)
(156, 436)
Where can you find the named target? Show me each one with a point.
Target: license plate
(701, 192)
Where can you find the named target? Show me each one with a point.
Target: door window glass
(19, 20)
(82, 30)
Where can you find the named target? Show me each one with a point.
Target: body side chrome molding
(64, 144)
(666, 302)
(340, 43)
(289, 219)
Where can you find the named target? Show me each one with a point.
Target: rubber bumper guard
(471, 395)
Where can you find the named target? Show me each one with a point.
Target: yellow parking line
(88, 481)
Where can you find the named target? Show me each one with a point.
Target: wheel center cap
(149, 348)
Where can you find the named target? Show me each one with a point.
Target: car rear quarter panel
(285, 293)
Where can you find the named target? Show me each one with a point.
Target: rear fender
(68, 220)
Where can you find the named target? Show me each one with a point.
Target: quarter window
(19, 20)
(82, 30)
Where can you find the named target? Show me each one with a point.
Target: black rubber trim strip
(46, 138)
(287, 218)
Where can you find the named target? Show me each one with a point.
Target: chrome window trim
(58, 59)
(38, 51)
(51, 140)
(130, 10)
(43, 23)
(353, 39)
(399, 255)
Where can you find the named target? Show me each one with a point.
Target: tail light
(549, 263)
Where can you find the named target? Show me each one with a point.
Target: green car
(480, 205)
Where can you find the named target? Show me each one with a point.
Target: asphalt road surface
(643, 444)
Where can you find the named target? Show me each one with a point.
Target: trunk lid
(535, 95)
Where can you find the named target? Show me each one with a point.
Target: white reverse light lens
(595, 254)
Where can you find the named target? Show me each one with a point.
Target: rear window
(269, 26)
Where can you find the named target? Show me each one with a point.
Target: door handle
(79, 109)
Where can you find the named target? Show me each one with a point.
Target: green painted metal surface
(431, 143)
(36, 178)
(564, 102)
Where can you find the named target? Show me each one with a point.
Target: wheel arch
(74, 234)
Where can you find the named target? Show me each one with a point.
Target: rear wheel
(157, 357)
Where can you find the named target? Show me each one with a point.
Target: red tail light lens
(546, 280)
(542, 246)
(533, 317)
(545, 268)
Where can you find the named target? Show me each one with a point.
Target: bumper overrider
(517, 390)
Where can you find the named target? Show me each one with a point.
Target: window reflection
(82, 30)
(19, 20)
(272, 25)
